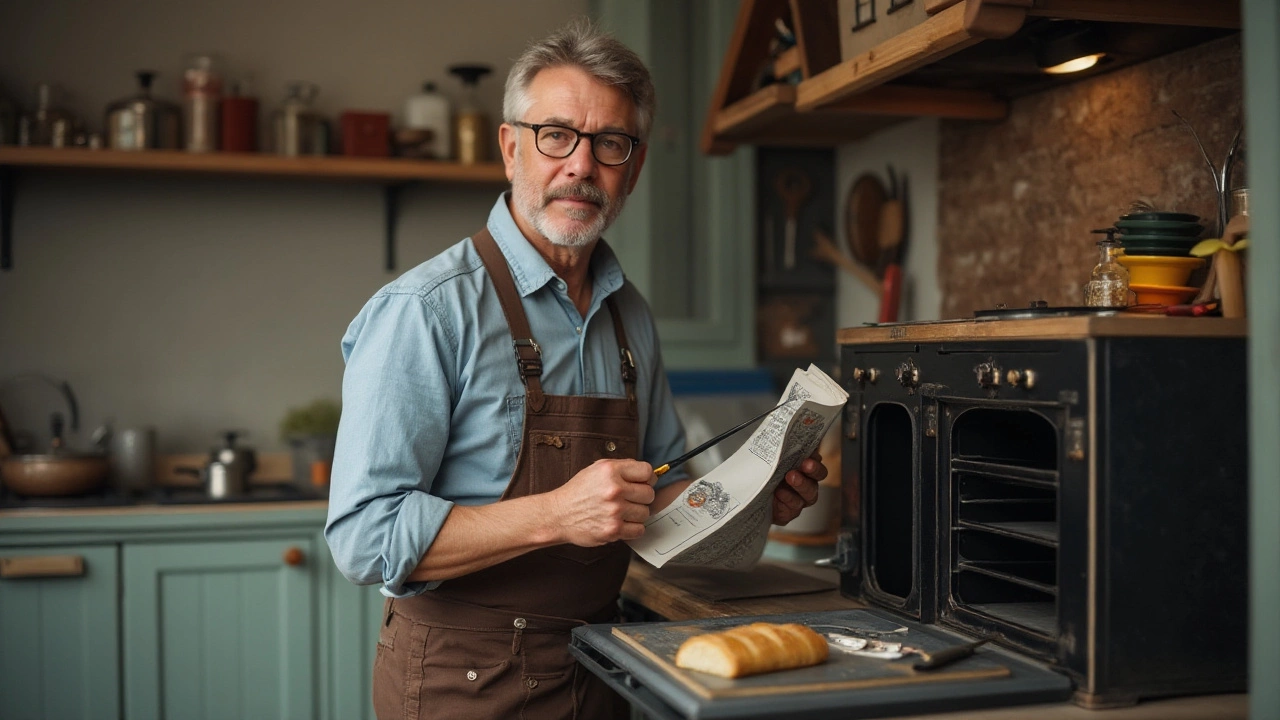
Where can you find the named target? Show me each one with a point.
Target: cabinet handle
(294, 556)
(38, 566)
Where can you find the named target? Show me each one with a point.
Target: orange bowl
(1167, 271)
(1162, 294)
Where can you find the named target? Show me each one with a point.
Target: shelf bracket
(7, 179)
(391, 214)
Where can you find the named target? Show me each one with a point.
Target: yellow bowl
(1163, 270)
(1162, 294)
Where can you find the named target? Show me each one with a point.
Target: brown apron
(495, 643)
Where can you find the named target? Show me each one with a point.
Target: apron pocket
(547, 695)
(469, 690)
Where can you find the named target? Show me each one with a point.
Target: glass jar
(1108, 284)
(297, 129)
(48, 125)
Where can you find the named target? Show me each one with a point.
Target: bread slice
(752, 649)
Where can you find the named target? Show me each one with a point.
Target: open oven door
(637, 660)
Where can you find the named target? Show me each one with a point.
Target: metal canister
(142, 121)
(201, 94)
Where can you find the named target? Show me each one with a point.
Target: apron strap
(628, 362)
(528, 354)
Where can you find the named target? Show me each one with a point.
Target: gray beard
(533, 204)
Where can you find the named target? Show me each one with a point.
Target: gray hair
(582, 45)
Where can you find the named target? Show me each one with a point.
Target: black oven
(1081, 500)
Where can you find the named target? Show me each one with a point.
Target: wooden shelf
(392, 173)
(321, 168)
(965, 61)
(769, 117)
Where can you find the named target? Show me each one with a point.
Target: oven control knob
(1025, 378)
(908, 374)
(988, 374)
(868, 375)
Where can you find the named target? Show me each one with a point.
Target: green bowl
(1164, 227)
(1159, 239)
(1163, 216)
(1157, 250)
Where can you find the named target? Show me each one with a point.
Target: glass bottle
(1108, 284)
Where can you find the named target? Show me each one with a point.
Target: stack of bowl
(1157, 248)
(1159, 233)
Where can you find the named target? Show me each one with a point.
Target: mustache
(586, 191)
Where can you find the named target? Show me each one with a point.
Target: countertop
(645, 586)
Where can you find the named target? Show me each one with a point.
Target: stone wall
(1017, 199)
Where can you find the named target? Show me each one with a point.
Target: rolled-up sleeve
(396, 400)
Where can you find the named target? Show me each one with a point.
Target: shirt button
(531, 682)
(560, 284)
(579, 329)
(520, 623)
(471, 675)
(610, 446)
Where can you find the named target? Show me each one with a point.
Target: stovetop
(159, 496)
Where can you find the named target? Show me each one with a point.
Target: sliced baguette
(752, 649)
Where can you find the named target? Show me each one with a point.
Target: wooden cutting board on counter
(637, 660)
(763, 580)
(657, 643)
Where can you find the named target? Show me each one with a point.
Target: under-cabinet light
(1083, 62)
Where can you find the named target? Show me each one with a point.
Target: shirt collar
(530, 270)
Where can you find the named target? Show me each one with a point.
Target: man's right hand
(608, 500)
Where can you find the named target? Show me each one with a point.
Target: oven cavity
(892, 508)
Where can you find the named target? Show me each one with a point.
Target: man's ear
(637, 163)
(507, 143)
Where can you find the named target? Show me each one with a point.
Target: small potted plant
(311, 431)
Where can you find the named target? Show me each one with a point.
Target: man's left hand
(798, 489)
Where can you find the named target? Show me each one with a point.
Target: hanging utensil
(862, 220)
(793, 186)
(893, 220)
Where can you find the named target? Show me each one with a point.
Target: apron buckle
(628, 365)
(530, 364)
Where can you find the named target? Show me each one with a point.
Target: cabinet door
(220, 629)
(59, 632)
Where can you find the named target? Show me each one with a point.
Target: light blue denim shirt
(433, 406)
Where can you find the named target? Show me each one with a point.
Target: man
(489, 491)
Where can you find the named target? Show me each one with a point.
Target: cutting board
(764, 580)
(658, 642)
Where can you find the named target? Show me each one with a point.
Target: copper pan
(57, 474)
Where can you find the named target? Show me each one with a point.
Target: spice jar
(1108, 284)
(471, 125)
(201, 93)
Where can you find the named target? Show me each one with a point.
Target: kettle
(228, 470)
(142, 121)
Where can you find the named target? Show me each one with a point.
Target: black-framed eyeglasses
(559, 142)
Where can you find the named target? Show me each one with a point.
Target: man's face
(570, 201)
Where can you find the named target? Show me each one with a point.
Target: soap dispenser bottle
(1108, 285)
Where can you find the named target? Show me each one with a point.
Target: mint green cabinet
(59, 650)
(181, 613)
(220, 629)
